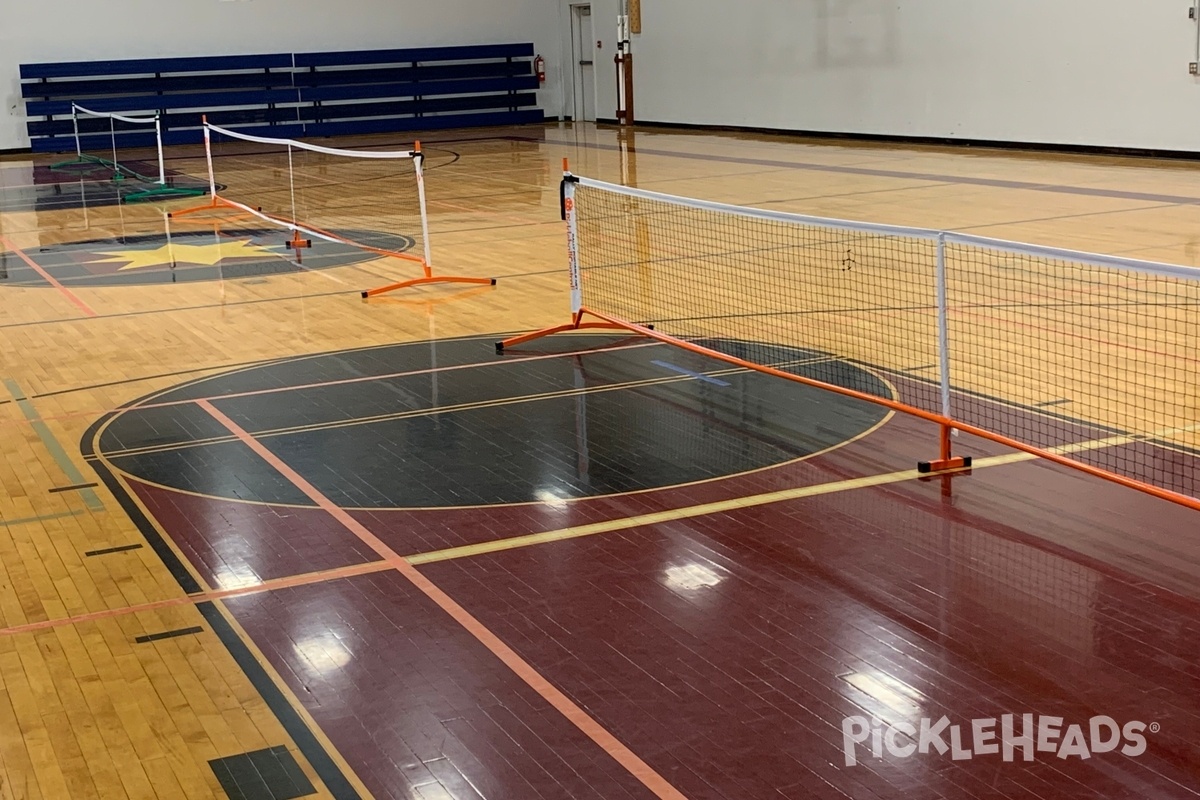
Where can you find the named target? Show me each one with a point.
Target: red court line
(339, 382)
(201, 597)
(576, 715)
(46, 276)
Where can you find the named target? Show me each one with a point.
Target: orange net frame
(279, 204)
(1081, 359)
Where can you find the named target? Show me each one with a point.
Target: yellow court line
(338, 424)
(672, 515)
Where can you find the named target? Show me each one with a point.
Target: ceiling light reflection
(239, 577)
(691, 577)
(887, 690)
(324, 654)
(551, 498)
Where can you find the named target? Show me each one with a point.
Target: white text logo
(1028, 734)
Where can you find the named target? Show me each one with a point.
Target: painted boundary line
(561, 534)
(72, 473)
(197, 598)
(551, 694)
(46, 276)
(341, 381)
(557, 394)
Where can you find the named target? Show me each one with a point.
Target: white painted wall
(1097, 72)
(1094, 72)
(74, 30)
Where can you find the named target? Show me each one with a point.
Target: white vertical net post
(212, 178)
(943, 322)
(162, 167)
(419, 168)
(569, 213)
(292, 188)
(75, 124)
(943, 325)
(112, 136)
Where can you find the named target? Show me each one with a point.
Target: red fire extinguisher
(539, 66)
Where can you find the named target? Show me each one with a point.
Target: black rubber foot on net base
(493, 281)
(499, 348)
(365, 295)
(925, 467)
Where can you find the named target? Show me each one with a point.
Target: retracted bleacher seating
(284, 95)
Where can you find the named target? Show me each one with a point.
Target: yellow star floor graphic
(187, 256)
(173, 254)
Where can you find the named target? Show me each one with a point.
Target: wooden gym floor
(264, 539)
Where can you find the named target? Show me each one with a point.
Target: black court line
(328, 771)
(1024, 221)
(919, 369)
(357, 293)
(155, 637)
(295, 726)
(124, 548)
(412, 413)
(1049, 403)
(996, 183)
(239, 365)
(125, 381)
(839, 194)
(288, 716)
(74, 487)
(149, 311)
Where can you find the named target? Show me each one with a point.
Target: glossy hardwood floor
(150, 631)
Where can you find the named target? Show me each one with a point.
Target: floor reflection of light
(893, 693)
(691, 577)
(323, 653)
(551, 499)
(240, 577)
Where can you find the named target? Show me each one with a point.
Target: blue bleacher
(283, 95)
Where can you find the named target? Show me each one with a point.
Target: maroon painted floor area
(726, 650)
(233, 544)
(418, 700)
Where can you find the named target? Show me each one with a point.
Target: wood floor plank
(87, 711)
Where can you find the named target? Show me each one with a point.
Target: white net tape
(316, 148)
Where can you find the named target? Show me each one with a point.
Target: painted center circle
(449, 423)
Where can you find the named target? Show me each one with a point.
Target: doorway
(583, 60)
